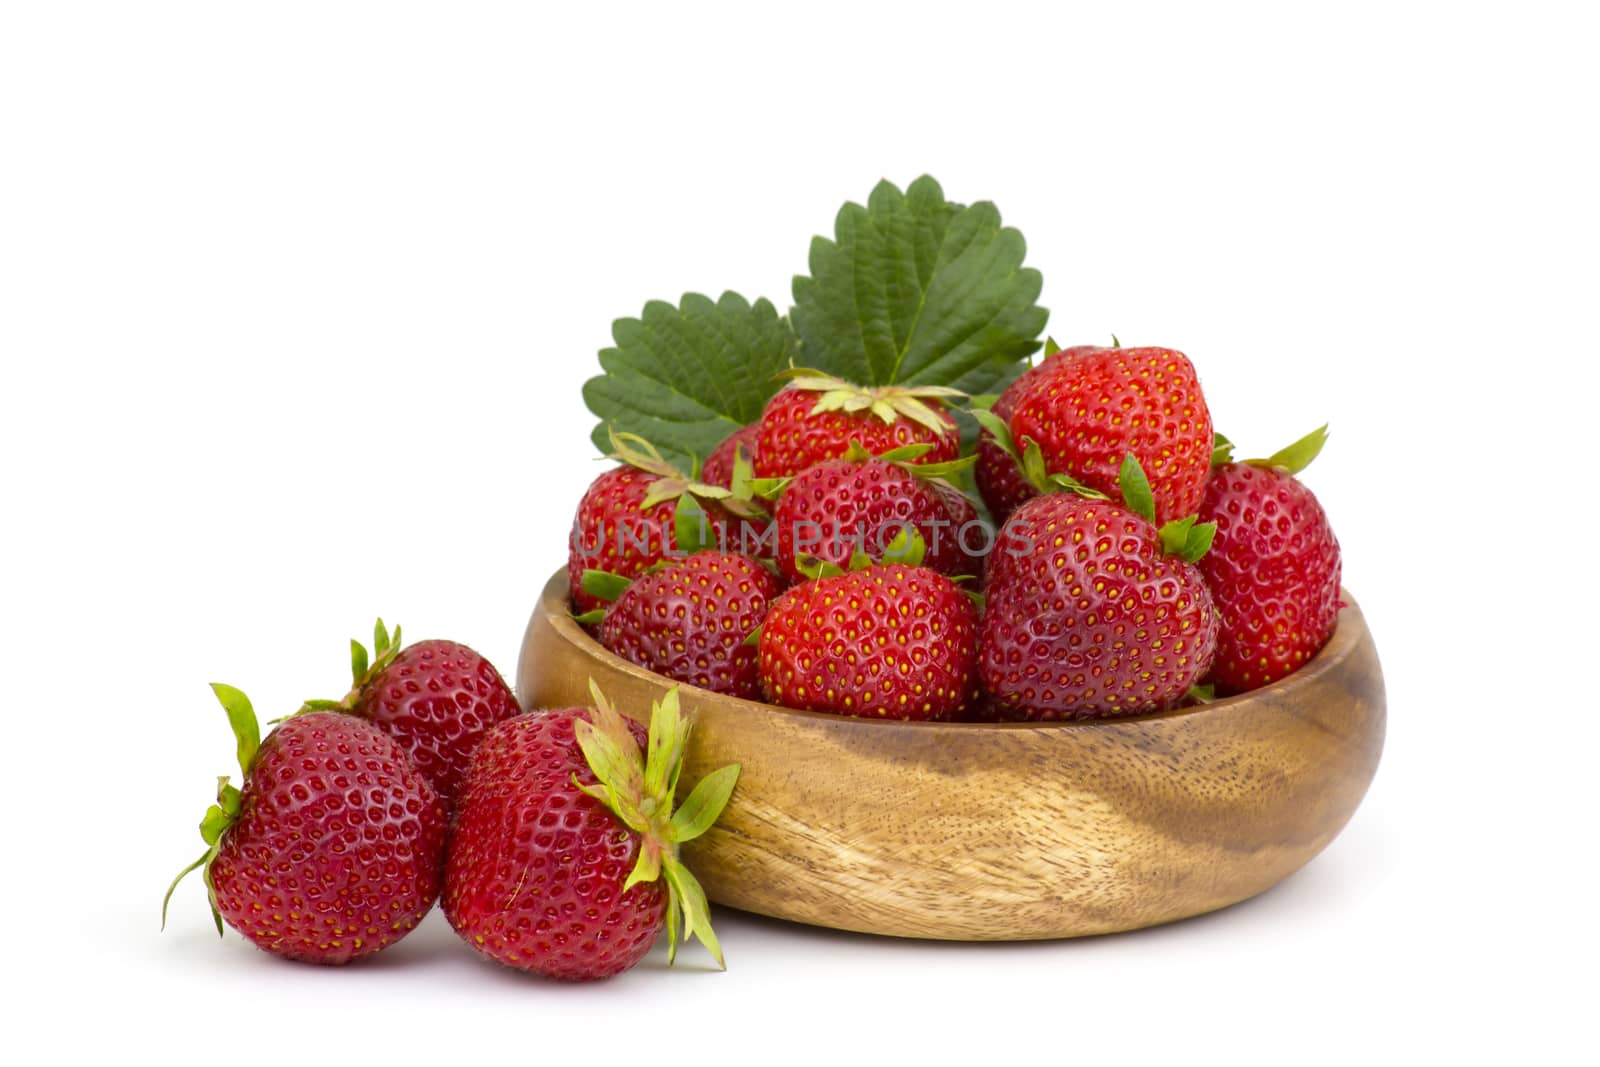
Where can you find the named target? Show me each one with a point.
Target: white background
(295, 304)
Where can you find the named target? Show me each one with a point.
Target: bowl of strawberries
(1041, 662)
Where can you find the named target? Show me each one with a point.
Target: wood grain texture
(1005, 831)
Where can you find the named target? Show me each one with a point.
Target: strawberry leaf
(603, 584)
(913, 289)
(1136, 491)
(696, 911)
(691, 530)
(1187, 539)
(1298, 456)
(242, 718)
(1221, 450)
(704, 803)
(907, 548)
(686, 376)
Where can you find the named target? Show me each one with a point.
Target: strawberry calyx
(1185, 538)
(671, 483)
(221, 816)
(888, 403)
(906, 456)
(1221, 450)
(639, 789)
(1292, 459)
(602, 585)
(1030, 460)
(908, 548)
(363, 669)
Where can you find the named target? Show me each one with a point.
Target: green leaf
(358, 660)
(903, 454)
(691, 530)
(590, 618)
(674, 925)
(1203, 694)
(915, 289)
(769, 488)
(1136, 492)
(908, 548)
(816, 569)
(646, 869)
(696, 911)
(216, 821)
(945, 471)
(1050, 347)
(704, 803)
(1298, 456)
(604, 584)
(380, 637)
(685, 377)
(667, 738)
(242, 719)
(1187, 539)
(753, 639)
(1221, 450)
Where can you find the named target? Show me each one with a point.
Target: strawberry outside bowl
(1001, 832)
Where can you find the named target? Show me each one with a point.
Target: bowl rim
(1350, 630)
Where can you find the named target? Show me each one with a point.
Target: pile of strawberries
(825, 558)
(550, 837)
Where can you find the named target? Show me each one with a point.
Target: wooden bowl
(998, 832)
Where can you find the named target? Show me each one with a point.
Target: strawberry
(689, 621)
(331, 848)
(564, 858)
(634, 516)
(1000, 478)
(1273, 569)
(1092, 611)
(894, 641)
(435, 698)
(839, 507)
(1087, 412)
(817, 417)
(718, 469)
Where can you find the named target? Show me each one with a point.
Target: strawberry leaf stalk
(638, 790)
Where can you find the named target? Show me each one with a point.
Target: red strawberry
(892, 641)
(555, 865)
(435, 698)
(1088, 617)
(614, 531)
(1001, 482)
(718, 469)
(1088, 412)
(332, 848)
(839, 507)
(816, 417)
(971, 538)
(690, 620)
(1273, 569)
(634, 516)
